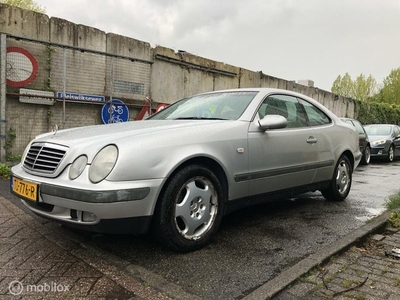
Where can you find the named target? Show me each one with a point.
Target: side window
(396, 131)
(359, 128)
(349, 122)
(285, 106)
(315, 116)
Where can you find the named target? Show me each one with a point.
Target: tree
(361, 88)
(343, 86)
(390, 92)
(26, 4)
(364, 88)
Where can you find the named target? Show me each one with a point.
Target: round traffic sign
(114, 111)
(22, 67)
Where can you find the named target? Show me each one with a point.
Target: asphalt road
(254, 245)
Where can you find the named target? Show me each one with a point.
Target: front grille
(44, 157)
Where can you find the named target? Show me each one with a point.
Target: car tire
(189, 209)
(366, 158)
(340, 184)
(390, 156)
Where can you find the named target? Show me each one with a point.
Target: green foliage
(11, 136)
(4, 171)
(377, 112)
(26, 4)
(50, 49)
(390, 92)
(393, 202)
(362, 88)
(394, 219)
(343, 86)
(365, 88)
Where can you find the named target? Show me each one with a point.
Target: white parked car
(178, 172)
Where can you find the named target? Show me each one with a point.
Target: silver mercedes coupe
(177, 173)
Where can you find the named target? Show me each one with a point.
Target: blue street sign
(76, 97)
(115, 113)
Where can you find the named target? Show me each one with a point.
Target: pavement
(43, 260)
(362, 265)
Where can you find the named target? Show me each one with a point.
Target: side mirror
(272, 122)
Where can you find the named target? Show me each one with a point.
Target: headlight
(77, 167)
(378, 143)
(103, 163)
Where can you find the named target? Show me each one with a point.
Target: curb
(287, 277)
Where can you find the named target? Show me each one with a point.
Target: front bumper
(113, 207)
(379, 152)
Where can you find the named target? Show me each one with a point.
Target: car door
(327, 136)
(281, 158)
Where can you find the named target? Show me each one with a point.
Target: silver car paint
(148, 154)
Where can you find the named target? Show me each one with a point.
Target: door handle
(312, 140)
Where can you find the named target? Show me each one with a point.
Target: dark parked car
(385, 141)
(363, 140)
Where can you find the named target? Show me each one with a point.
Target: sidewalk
(369, 268)
(38, 262)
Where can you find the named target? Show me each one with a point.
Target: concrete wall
(177, 75)
(166, 75)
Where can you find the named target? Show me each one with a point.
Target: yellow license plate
(26, 189)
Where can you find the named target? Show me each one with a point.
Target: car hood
(112, 133)
(373, 138)
(153, 139)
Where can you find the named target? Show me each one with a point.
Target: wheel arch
(350, 156)
(161, 222)
(212, 164)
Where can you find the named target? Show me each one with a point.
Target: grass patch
(349, 283)
(394, 219)
(397, 282)
(393, 202)
(4, 171)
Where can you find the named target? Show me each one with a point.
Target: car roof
(249, 115)
(258, 89)
(393, 125)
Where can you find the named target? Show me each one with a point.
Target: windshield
(217, 106)
(378, 130)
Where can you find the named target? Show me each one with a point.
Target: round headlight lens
(77, 167)
(103, 163)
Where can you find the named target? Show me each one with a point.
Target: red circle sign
(22, 67)
(161, 107)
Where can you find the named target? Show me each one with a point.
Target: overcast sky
(289, 39)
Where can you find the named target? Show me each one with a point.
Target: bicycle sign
(115, 111)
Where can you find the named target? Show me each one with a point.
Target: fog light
(88, 216)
